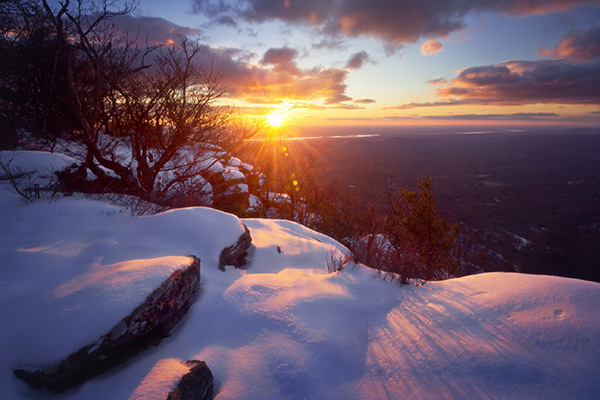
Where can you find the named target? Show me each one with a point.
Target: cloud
(364, 101)
(393, 22)
(495, 117)
(523, 82)
(577, 46)
(277, 77)
(349, 107)
(520, 82)
(282, 60)
(277, 56)
(452, 102)
(154, 30)
(357, 60)
(332, 43)
(431, 47)
(438, 81)
(226, 20)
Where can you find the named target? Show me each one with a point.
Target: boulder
(236, 253)
(145, 326)
(195, 385)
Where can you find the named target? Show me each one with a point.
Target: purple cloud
(357, 60)
(153, 29)
(522, 82)
(577, 46)
(276, 56)
(391, 21)
(496, 117)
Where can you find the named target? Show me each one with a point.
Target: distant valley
(530, 199)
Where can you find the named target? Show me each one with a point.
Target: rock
(195, 385)
(146, 325)
(236, 253)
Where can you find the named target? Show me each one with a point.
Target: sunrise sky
(386, 62)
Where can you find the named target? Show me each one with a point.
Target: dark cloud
(520, 82)
(364, 101)
(226, 20)
(577, 46)
(523, 82)
(277, 56)
(452, 102)
(154, 30)
(496, 117)
(394, 22)
(357, 60)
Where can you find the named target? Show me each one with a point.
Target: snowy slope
(283, 328)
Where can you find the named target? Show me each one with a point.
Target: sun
(274, 119)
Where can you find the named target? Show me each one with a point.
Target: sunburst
(275, 119)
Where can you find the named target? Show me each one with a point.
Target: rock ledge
(145, 326)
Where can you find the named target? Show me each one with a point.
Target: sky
(394, 62)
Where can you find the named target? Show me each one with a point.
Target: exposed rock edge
(236, 253)
(195, 385)
(145, 326)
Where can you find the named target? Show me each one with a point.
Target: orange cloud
(431, 47)
(278, 77)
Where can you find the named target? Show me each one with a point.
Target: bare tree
(148, 116)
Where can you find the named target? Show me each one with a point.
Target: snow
(234, 162)
(40, 164)
(283, 328)
(230, 174)
(237, 188)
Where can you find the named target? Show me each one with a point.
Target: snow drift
(283, 328)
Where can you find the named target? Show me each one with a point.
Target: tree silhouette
(421, 241)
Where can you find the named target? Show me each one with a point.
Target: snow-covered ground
(283, 328)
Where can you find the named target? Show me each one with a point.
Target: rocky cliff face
(145, 326)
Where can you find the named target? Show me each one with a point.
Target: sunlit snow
(283, 328)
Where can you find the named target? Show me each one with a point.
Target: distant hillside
(531, 199)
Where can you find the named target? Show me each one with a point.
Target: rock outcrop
(145, 326)
(195, 385)
(236, 253)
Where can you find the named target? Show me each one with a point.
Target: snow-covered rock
(150, 322)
